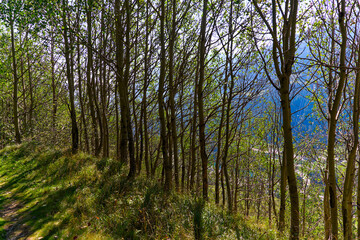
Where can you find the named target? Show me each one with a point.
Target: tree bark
(332, 126)
(202, 139)
(70, 77)
(132, 170)
(172, 95)
(283, 185)
(126, 141)
(284, 71)
(228, 112)
(347, 205)
(144, 100)
(89, 79)
(163, 137)
(16, 81)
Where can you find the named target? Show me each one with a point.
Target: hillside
(51, 194)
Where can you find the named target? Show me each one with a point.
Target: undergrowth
(65, 196)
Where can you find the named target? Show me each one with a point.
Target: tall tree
(347, 203)
(200, 92)
(90, 81)
(172, 93)
(127, 142)
(328, 48)
(70, 78)
(283, 56)
(163, 137)
(15, 76)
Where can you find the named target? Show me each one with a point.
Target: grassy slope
(60, 196)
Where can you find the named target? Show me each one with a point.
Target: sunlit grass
(78, 196)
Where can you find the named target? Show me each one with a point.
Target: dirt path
(15, 229)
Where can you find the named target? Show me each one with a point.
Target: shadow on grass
(2, 230)
(26, 179)
(68, 195)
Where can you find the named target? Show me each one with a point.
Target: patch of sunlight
(94, 236)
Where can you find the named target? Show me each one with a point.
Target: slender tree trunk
(104, 88)
(273, 195)
(81, 97)
(121, 85)
(358, 203)
(192, 162)
(332, 125)
(53, 86)
(228, 111)
(237, 171)
(222, 186)
(270, 188)
(202, 139)
(90, 80)
(183, 165)
(144, 100)
(290, 166)
(163, 137)
(327, 208)
(327, 216)
(132, 170)
(172, 95)
(138, 160)
(282, 193)
(117, 128)
(219, 140)
(304, 210)
(31, 95)
(104, 121)
(80, 82)
(347, 205)
(24, 92)
(69, 74)
(283, 64)
(126, 141)
(16, 80)
(247, 190)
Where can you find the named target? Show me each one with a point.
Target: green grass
(65, 196)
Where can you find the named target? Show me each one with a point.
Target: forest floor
(51, 194)
(13, 226)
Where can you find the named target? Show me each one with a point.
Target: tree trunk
(31, 95)
(228, 111)
(219, 139)
(126, 142)
(89, 78)
(327, 216)
(290, 166)
(192, 162)
(163, 137)
(347, 205)
(332, 127)
(132, 170)
(358, 203)
(283, 184)
(172, 95)
(53, 87)
(16, 81)
(104, 82)
(144, 100)
(70, 77)
(202, 139)
(121, 83)
(136, 124)
(283, 64)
